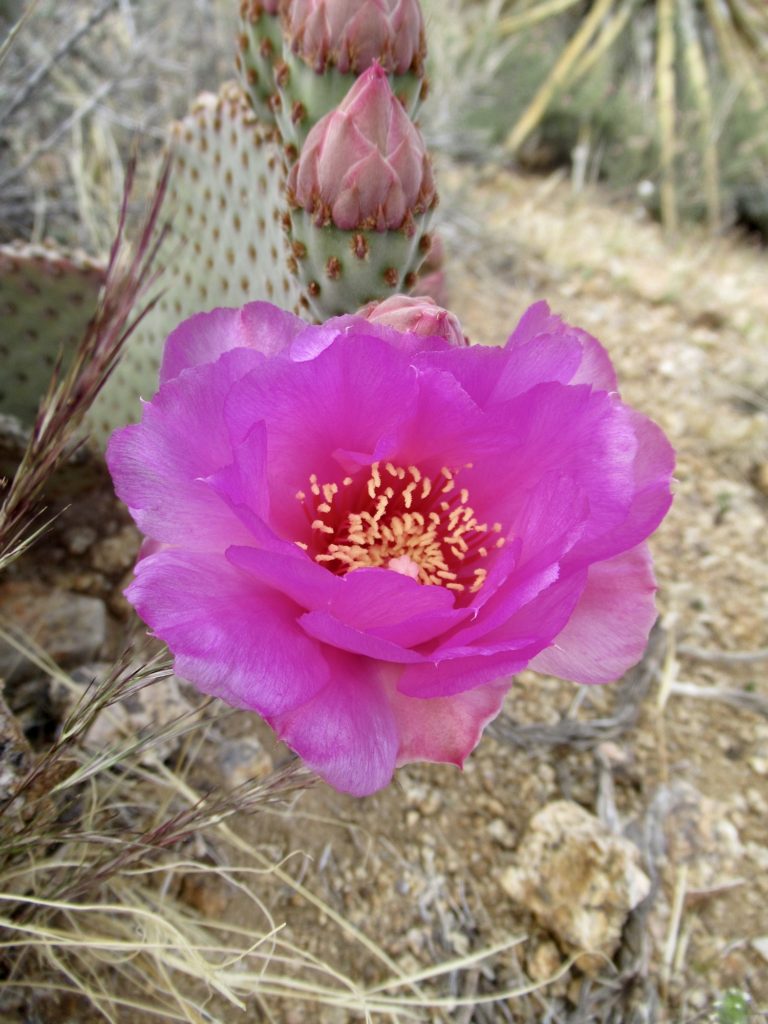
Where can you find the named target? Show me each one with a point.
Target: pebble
(501, 833)
(79, 539)
(70, 628)
(243, 760)
(578, 879)
(115, 554)
(544, 961)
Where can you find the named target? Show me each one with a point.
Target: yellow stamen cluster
(400, 519)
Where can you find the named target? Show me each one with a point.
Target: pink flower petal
(159, 465)
(445, 729)
(608, 631)
(346, 732)
(231, 638)
(204, 337)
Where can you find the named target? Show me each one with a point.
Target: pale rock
(69, 628)
(15, 753)
(578, 879)
(243, 760)
(113, 555)
(544, 961)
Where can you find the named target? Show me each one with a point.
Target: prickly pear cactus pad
(260, 45)
(345, 269)
(226, 244)
(47, 298)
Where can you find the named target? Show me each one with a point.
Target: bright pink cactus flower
(364, 165)
(351, 34)
(415, 314)
(362, 534)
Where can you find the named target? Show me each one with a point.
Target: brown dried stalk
(129, 277)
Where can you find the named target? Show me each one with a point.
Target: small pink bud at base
(364, 165)
(352, 34)
(416, 314)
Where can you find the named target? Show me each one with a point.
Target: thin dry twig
(61, 412)
(629, 695)
(67, 45)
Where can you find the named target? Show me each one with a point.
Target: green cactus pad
(226, 244)
(342, 270)
(260, 45)
(305, 96)
(47, 299)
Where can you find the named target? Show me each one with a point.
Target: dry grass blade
(609, 33)
(665, 109)
(513, 23)
(735, 55)
(7, 43)
(558, 76)
(585, 735)
(129, 276)
(693, 53)
(44, 70)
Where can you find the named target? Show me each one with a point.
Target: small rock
(69, 627)
(698, 834)
(501, 833)
(759, 765)
(761, 477)
(15, 753)
(207, 894)
(544, 962)
(114, 555)
(78, 539)
(243, 760)
(578, 879)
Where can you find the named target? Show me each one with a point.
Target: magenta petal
(609, 628)
(652, 469)
(331, 631)
(503, 651)
(445, 729)
(204, 337)
(540, 329)
(243, 483)
(159, 466)
(394, 607)
(349, 397)
(231, 638)
(347, 732)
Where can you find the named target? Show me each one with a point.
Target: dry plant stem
(533, 114)
(7, 43)
(512, 23)
(630, 694)
(44, 70)
(726, 657)
(665, 107)
(75, 118)
(693, 53)
(68, 399)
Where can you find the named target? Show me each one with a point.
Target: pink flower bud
(415, 314)
(364, 165)
(351, 34)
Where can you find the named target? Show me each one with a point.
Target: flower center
(400, 519)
